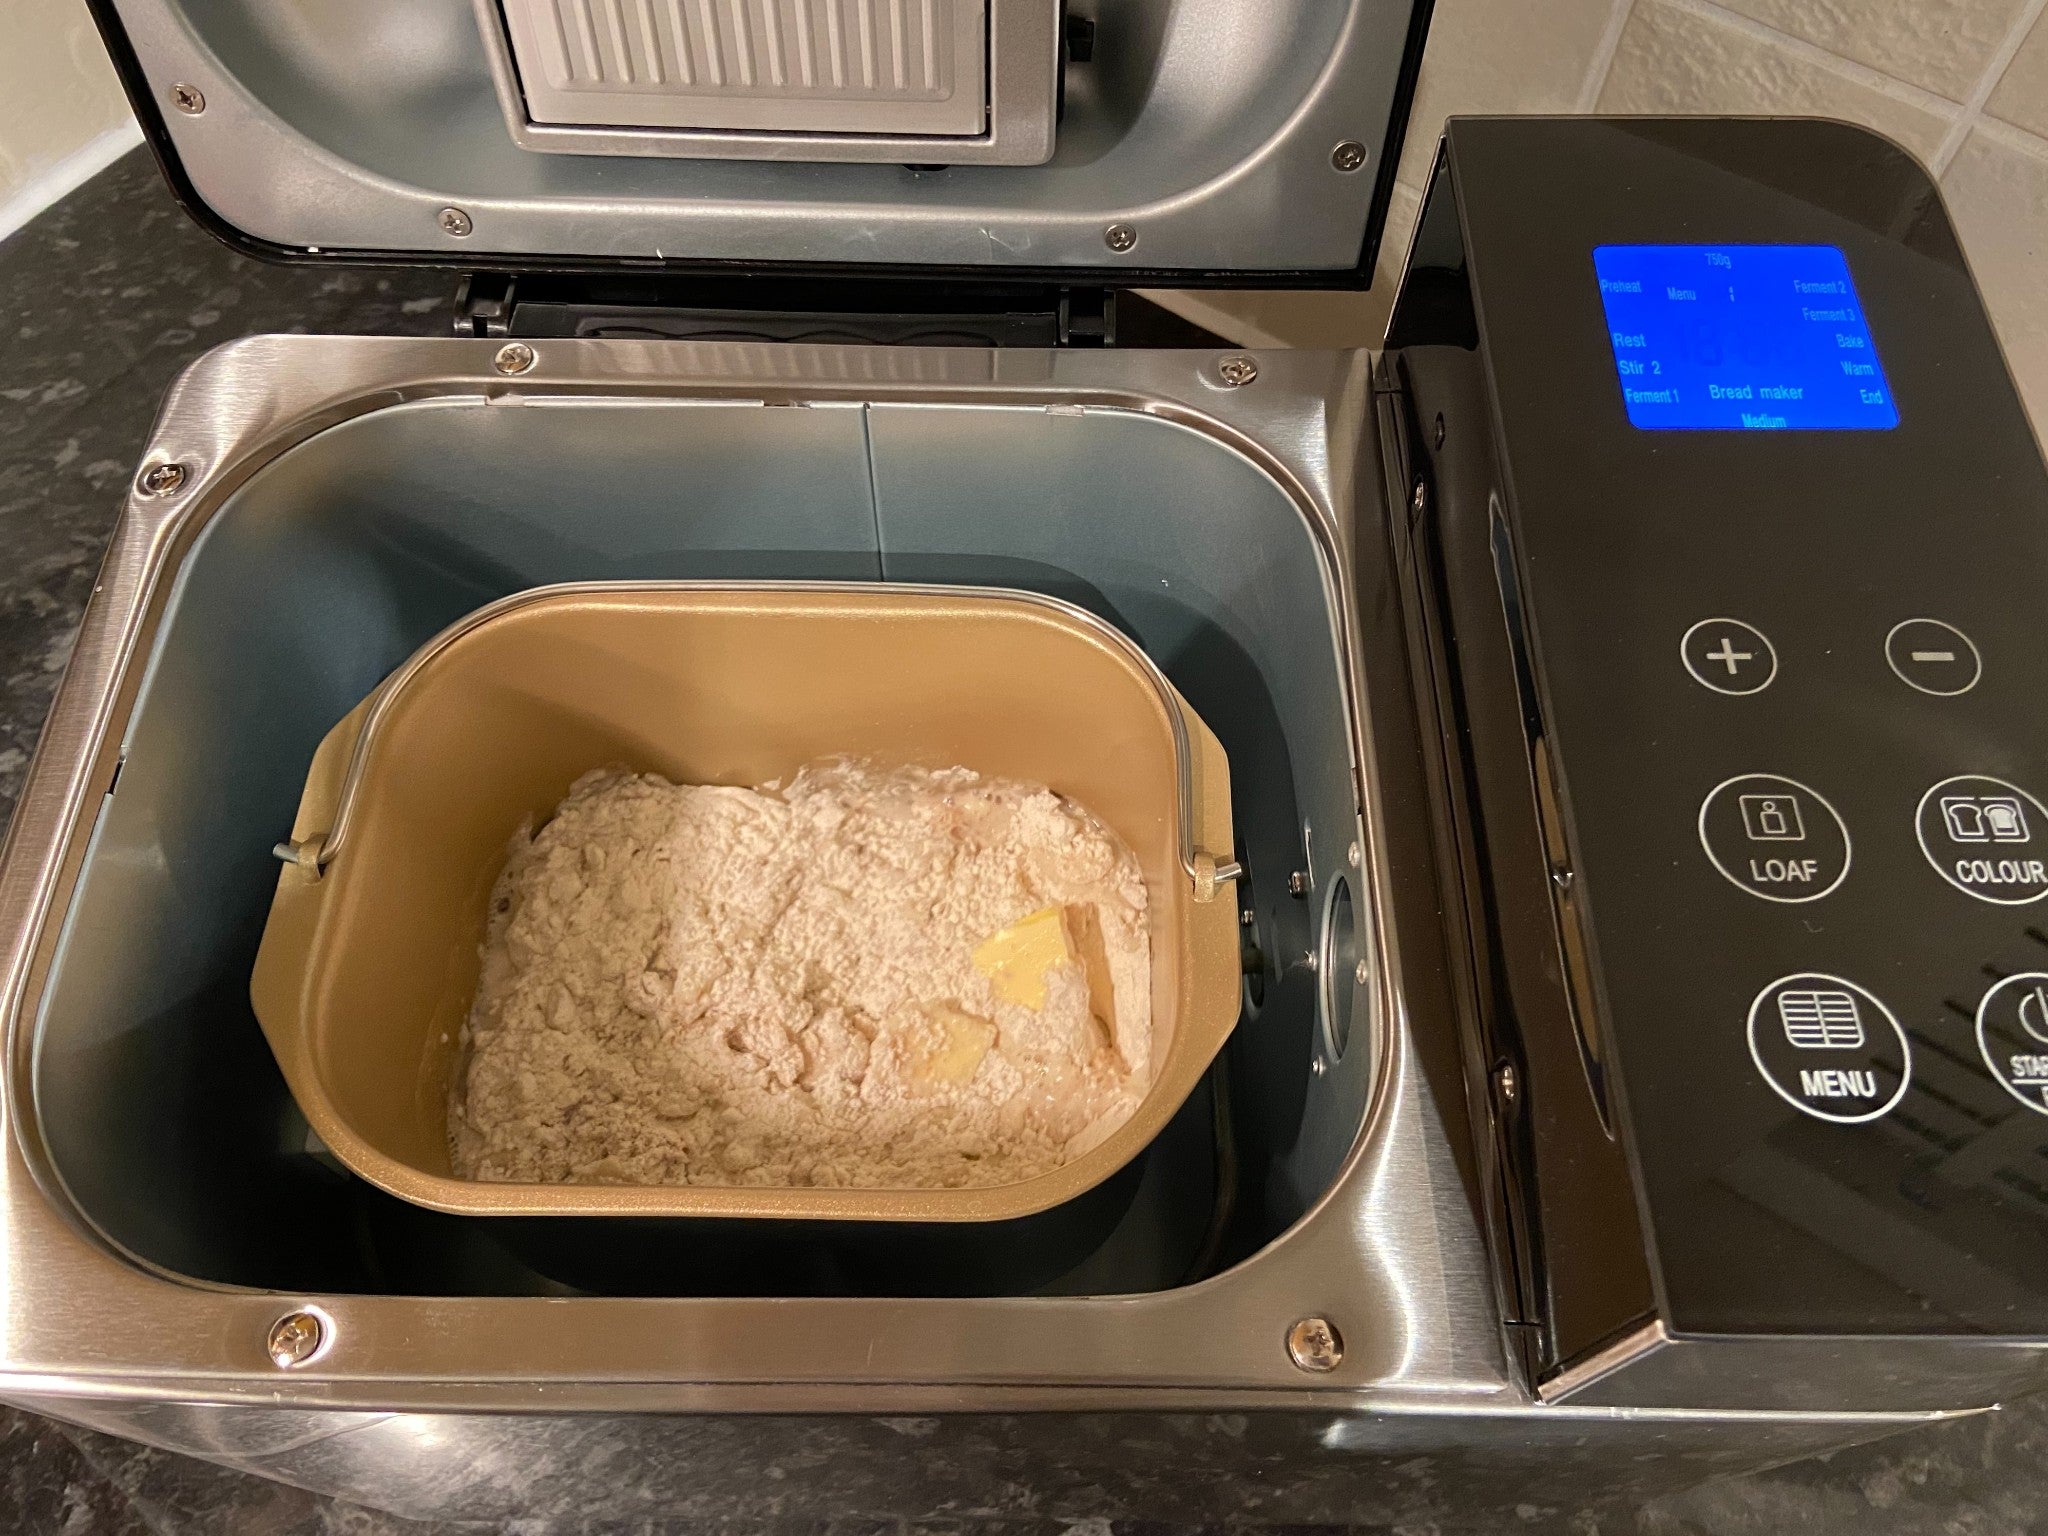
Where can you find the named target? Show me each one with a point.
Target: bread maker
(1629, 674)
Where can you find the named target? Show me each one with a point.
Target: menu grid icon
(1821, 1021)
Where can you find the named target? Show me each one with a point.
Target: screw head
(454, 221)
(160, 480)
(1315, 1345)
(1363, 974)
(188, 99)
(1352, 855)
(295, 1338)
(1507, 1084)
(1297, 883)
(1348, 156)
(1119, 237)
(514, 357)
(1420, 497)
(1236, 372)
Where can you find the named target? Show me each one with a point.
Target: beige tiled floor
(1963, 83)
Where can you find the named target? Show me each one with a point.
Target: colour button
(1986, 837)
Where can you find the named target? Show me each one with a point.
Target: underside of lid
(1122, 142)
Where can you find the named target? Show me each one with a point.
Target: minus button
(1931, 656)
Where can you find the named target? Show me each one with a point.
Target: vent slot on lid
(909, 67)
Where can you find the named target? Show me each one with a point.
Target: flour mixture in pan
(890, 979)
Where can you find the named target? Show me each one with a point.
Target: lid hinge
(1087, 317)
(483, 304)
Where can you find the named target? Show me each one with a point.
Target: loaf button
(1774, 837)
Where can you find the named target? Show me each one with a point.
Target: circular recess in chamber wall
(1340, 968)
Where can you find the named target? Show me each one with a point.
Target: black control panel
(1770, 533)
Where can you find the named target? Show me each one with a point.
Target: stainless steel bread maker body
(1503, 1170)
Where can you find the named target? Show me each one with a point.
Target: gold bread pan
(371, 953)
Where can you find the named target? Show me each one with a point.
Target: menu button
(1829, 1048)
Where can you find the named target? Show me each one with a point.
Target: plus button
(1728, 656)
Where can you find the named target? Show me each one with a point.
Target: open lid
(1118, 142)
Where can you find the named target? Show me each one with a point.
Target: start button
(1986, 837)
(2012, 1034)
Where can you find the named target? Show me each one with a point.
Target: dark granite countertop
(105, 298)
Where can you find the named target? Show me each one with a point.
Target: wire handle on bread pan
(313, 854)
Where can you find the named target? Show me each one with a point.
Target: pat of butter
(1016, 959)
(964, 1039)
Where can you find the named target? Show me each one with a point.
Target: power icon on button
(2033, 1011)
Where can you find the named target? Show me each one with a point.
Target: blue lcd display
(1741, 338)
